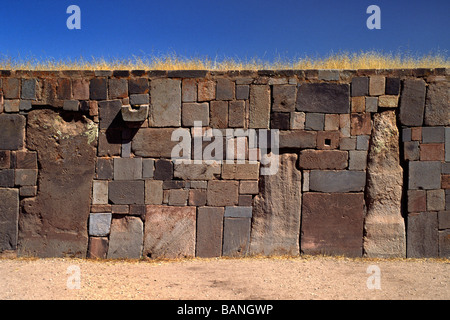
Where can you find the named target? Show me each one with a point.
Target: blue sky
(232, 28)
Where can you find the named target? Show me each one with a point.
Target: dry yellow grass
(345, 60)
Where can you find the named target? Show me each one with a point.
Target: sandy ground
(225, 279)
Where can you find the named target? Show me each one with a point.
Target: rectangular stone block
(411, 150)
(242, 92)
(444, 220)
(344, 125)
(328, 140)
(248, 187)
(447, 144)
(71, 105)
(236, 237)
(80, 89)
(437, 111)
(153, 192)
(444, 243)
(26, 160)
(118, 89)
(323, 98)
(422, 235)
(98, 247)
(104, 169)
(109, 143)
(337, 181)
(11, 88)
(209, 232)
(126, 192)
(360, 86)
(259, 108)
(189, 90)
(417, 201)
(178, 197)
(100, 192)
(298, 139)
(147, 168)
(323, 159)
(240, 171)
(5, 159)
(432, 152)
(29, 89)
(12, 106)
(194, 171)
(433, 134)
(331, 122)
(314, 121)
(25, 177)
(170, 232)
(238, 212)
(101, 208)
(445, 181)
(126, 238)
(280, 120)
(110, 114)
(332, 224)
(297, 120)
(219, 114)
(416, 134)
(347, 143)
(155, 142)
(7, 178)
(138, 86)
(165, 108)
(358, 104)
(127, 168)
(245, 200)
(236, 114)
(435, 200)
(284, 97)
(424, 175)
(197, 197)
(328, 75)
(392, 86)
(361, 124)
(174, 184)
(412, 102)
(371, 104)
(98, 89)
(386, 101)
(9, 218)
(99, 224)
(376, 85)
(225, 89)
(12, 131)
(222, 193)
(357, 160)
(192, 112)
(163, 169)
(206, 90)
(139, 99)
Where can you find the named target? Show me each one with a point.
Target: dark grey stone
(126, 192)
(446, 168)
(424, 175)
(433, 135)
(437, 111)
(324, 98)
(11, 88)
(337, 181)
(225, 89)
(12, 131)
(444, 219)
(138, 86)
(29, 89)
(7, 178)
(360, 86)
(314, 121)
(412, 102)
(328, 75)
(444, 244)
(187, 73)
(71, 105)
(283, 97)
(392, 86)
(138, 99)
(9, 216)
(406, 135)
(25, 105)
(297, 139)
(163, 169)
(280, 120)
(25, 177)
(209, 232)
(105, 169)
(110, 114)
(422, 235)
(238, 212)
(126, 238)
(236, 236)
(242, 92)
(127, 168)
(98, 89)
(147, 168)
(411, 150)
(447, 144)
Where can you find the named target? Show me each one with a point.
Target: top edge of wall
(308, 73)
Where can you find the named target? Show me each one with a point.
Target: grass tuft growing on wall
(342, 60)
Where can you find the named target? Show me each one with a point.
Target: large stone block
(422, 235)
(9, 218)
(384, 225)
(126, 238)
(12, 131)
(209, 232)
(276, 213)
(165, 108)
(110, 114)
(259, 107)
(323, 159)
(424, 175)
(170, 232)
(155, 142)
(437, 110)
(29, 89)
(222, 193)
(337, 181)
(324, 98)
(332, 224)
(54, 224)
(412, 102)
(236, 237)
(126, 192)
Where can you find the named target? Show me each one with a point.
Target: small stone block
(236, 236)
(348, 143)
(71, 105)
(435, 200)
(424, 175)
(242, 92)
(422, 235)
(245, 200)
(118, 88)
(26, 160)
(392, 86)
(120, 208)
(331, 122)
(417, 200)
(225, 89)
(360, 86)
(25, 105)
(371, 104)
(444, 219)
(163, 169)
(248, 187)
(100, 208)
(406, 135)
(362, 142)
(12, 106)
(191, 112)
(28, 191)
(189, 90)
(138, 86)
(206, 90)
(280, 120)
(147, 168)
(357, 160)
(284, 97)
(358, 104)
(445, 183)
(328, 140)
(99, 224)
(153, 192)
(433, 135)
(416, 133)
(25, 177)
(139, 99)
(376, 85)
(127, 168)
(238, 212)
(388, 101)
(222, 193)
(7, 178)
(411, 150)
(105, 169)
(98, 247)
(298, 120)
(432, 152)
(236, 114)
(98, 89)
(126, 192)
(314, 121)
(197, 197)
(361, 124)
(5, 159)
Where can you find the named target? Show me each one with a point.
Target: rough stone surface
(324, 98)
(236, 237)
(154, 142)
(100, 224)
(437, 110)
(323, 159)
(412, 102)
(444, 244)
(422, 235)
(165, 108)
(127, 168)
(238, 212)
(314, 121)
(126, 238)
(209, 232)
(433, 135)
(417, 201)
(110, 114)
(222, 193)
(12, 131)
(384, 225)
(360, 86)
(337, 181)
(98, 89)
(332, 223)
(424, 175)
(54, 224)
(236, 114)
(276, 213)
(206, 90)
(98, 247)
(9, 216)
(192, 112)
(193, 171)
(5, 159)
(153, 192)
(170, 232)
(126, 192)
(284, 97)
(298, 139)
(259, 109)
(225, 89)
(118, 88)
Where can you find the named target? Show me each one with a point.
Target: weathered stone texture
(259, 109)
(324, 98)
(155, 142)
(323, 159)
(437, 106)
(236, 237)
(9, 216)
(126, 238)
(422, 235)
(12, 131)
(170, 232)
(412, 102)
(209, 232)
(337, 181)
(165, 108)
(276, 213)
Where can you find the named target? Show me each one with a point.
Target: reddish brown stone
(206, 90)
(223, 193)
(432, 152)
(219, 114)
(323, 159)
(417, 200)
(98, 247)
(197, 197)
(101, 208)
(64, 89)
(332, 223)
(416, 133)
(361, 124)
(80, 89)
(328, 140)
(445, 181)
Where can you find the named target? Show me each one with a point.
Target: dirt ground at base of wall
(288, 278)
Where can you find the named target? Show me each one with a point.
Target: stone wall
(170, 164)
